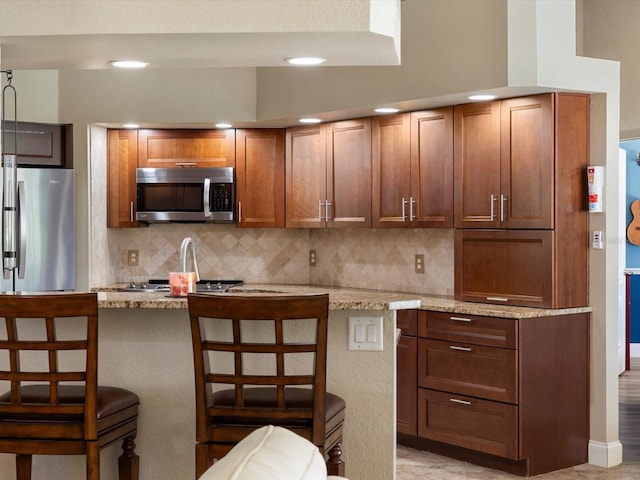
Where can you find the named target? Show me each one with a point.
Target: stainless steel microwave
(185, 195)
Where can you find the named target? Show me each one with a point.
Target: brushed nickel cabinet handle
(457, 400)
(502, 200)
(493, 199)
(131, 212)
(320, 217)
(460, 319)
(239, 211)
(498, 299)
(461, 349)
(185, 164)
(404, 216)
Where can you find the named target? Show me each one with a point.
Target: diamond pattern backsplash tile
(361, 258)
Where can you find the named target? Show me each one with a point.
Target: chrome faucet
(187, 244)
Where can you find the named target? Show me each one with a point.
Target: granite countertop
(112, 296)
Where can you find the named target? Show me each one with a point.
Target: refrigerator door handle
(22, 230)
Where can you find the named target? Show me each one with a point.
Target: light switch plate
(365, 333)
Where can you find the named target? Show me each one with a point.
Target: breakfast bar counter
(145, 345)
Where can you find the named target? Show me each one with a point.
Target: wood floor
(629, 401)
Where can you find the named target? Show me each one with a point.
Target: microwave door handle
(206, 195)
(22, 229)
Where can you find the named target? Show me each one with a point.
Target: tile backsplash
(374, 259)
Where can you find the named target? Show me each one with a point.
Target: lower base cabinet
(507, 393)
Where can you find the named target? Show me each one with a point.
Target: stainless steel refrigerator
(45, 233)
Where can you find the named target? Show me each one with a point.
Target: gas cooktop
(162, 285)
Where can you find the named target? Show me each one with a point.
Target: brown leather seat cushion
(265, 397)
(111, 400)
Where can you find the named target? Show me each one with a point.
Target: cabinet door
(122, 160)
(349, 173)
(407, 372)
(306, 175)
(527, 159)
(186, 148)
(391, 168)
(432, 168)
(512, 267)
(477, 165)
(260, 177)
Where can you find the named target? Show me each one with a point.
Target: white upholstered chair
(271, 453)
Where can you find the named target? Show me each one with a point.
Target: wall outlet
(312, 258)
(419, 263)
(132, 258)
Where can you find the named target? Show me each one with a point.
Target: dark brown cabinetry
(507, 393)
(122, 160)
(412, 169)
(40, 144)
(186, 148)
(328, 175)
(407, 372)
(260, 177)
(504, 157)
(538, 253)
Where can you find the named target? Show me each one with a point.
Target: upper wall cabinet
(186, 148)
(504, 160)
(412, 157)
(328, 179)
(122, 159)
(260, 177)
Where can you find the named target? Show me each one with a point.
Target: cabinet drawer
(489, 331)
(467, 369)
(407, 322)
(485, 426)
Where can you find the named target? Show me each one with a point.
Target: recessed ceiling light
(223, 125)
(305, 60)
(482, 97)
(386, 110)
(130, 125)
(129, 63)
(310, 120)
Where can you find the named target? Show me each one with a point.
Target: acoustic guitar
(633, 230)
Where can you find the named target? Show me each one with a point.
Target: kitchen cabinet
(407, 372)
(40, 144)
(412, 157)
(122, 161)
(504, 161)
(186, 148)
(260, 177)
(533, 249)
(509, 393)
(328, 175)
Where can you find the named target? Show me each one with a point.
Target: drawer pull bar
(462, 402)
(460, 319)
(462, 349)
(498, 299)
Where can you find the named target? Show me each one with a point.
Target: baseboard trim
(605, 455)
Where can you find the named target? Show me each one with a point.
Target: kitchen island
(145, 346)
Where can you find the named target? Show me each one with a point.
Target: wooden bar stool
(52, 407)
(262, 361)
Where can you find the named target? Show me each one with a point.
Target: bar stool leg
(335, 464)
(23, 467)
(129, 462)
(93, 461)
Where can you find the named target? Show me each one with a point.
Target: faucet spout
(187, 245)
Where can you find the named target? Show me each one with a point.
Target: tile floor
(418, 465)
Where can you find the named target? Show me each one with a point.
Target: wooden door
(510, 267)
(477, 165)
(349, 173)
(122, 161)
(260, 177)
(305, 179)
(186, 148)
(527, 160)
(432, 168)
(407, 372)
(391, 170)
